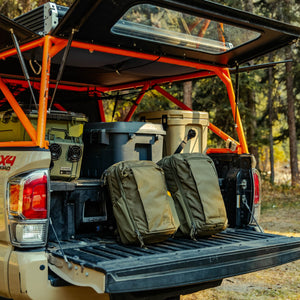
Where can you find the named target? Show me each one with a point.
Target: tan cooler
(177, 124)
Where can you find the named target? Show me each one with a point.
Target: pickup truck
(58, 67)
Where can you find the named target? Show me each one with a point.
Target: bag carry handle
(191, 134)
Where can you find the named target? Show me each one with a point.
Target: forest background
(269, 97)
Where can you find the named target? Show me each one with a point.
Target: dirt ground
(280, 215)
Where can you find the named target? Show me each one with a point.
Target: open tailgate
(176, 262)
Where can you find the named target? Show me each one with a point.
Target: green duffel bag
(143, 208)
(193, 182)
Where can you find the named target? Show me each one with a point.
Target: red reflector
(35, 198)
(256, 187)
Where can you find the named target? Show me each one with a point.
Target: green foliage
(14, 8)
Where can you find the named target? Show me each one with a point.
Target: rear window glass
(162, 25)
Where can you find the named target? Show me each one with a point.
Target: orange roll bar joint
(137, 102)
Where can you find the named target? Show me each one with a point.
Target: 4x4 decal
(6, 162)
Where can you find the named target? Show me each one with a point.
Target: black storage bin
(108, 143)
(79, 208)
(90, 205)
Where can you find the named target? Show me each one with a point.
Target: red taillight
(35, 198)
(256, 199)
(28, 196)
(256, 179)
(28, 201)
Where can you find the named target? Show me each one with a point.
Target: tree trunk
(252, 125)
(251, 105)
(41, 2)
(291, 119)
(187, 93)
(270, 109)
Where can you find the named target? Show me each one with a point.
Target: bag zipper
(192, 175)
(193, 230)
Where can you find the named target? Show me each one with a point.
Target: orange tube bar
(19, 111)
(101, 110)
(36, 84)
(57, 48)
(171, 98)
(73, 87)
(99, 48)
(25, 47)
(221, 150)
(18, 144)
(137, 102)
(222, 134)
(43, 101)
(59, 107)
(225, 77)
(198, 74)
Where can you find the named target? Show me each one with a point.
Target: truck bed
(179, 262)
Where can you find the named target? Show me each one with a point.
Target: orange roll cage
(51, 46)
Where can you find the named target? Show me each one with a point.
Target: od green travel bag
(193, 182)
(144, 210)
